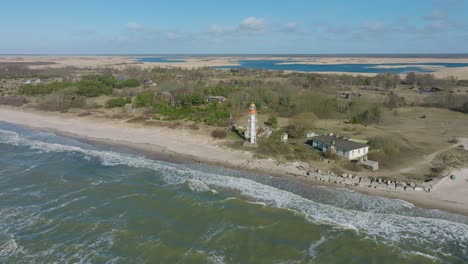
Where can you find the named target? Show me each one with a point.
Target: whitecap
(8, 245)
(391, 227)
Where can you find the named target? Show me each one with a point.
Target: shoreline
(193, 62)
(175, 146)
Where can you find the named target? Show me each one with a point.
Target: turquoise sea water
(399, 68)
(65, 201)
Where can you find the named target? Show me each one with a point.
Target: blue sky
(241, 26)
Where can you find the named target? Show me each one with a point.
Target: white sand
(455, 191)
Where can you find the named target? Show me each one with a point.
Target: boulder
(365, 182)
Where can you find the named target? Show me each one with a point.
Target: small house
(341, 146)
(219, 99)
(148, 82)
(351, 95)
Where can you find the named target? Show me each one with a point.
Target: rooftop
(339, 142)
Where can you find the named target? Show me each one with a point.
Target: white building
(343, 147)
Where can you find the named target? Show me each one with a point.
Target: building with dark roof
(342, 146)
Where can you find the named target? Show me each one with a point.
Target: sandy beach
(185, 146)
(89, 61)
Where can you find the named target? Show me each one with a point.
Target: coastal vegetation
(118, 102)
(368, 108)
(88, 86)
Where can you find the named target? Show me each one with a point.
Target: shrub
(272, 122)
(42, 89)
(144, 100)
(218, 134)
(93, 88)
(130, 83)
(118, 102)
(106, 80)
(301, 123)
(368, 116)
(352, 166)
(61, 101)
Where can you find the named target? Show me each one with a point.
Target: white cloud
(252, 23)
(290, 27)
(134, 25)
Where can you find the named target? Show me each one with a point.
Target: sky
(233, 27)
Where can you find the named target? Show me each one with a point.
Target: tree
(300, 123)
(411, 78)
(387, 81)
(394, 101)
(272, 121)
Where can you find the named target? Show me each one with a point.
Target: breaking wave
(393, 228)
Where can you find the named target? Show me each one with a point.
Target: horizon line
(228, 54)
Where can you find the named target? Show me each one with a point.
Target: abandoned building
(341, 146)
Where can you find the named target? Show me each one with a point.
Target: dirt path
(427, 159)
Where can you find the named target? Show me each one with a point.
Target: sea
(63, 200)
(296, 65)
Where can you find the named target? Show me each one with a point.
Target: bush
(272, 122)
(118, 102)
(62, 100)
(130, 83)
(368, 116)
(144, 100)
(88, 87)
(300, 124)
(218, 134)
(352, 166)
(42, 89)
(274, 147)
(106, 80)
(93, 88)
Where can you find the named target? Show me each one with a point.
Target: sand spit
(88, 61)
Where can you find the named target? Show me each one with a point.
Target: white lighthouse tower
(252, 125)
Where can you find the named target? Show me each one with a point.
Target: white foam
(8, 246)
(404, 203)
(417, 253)
(197, 186)
(392, 227)
(65, 204)
(313, 246)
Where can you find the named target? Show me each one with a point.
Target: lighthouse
(252, 124)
